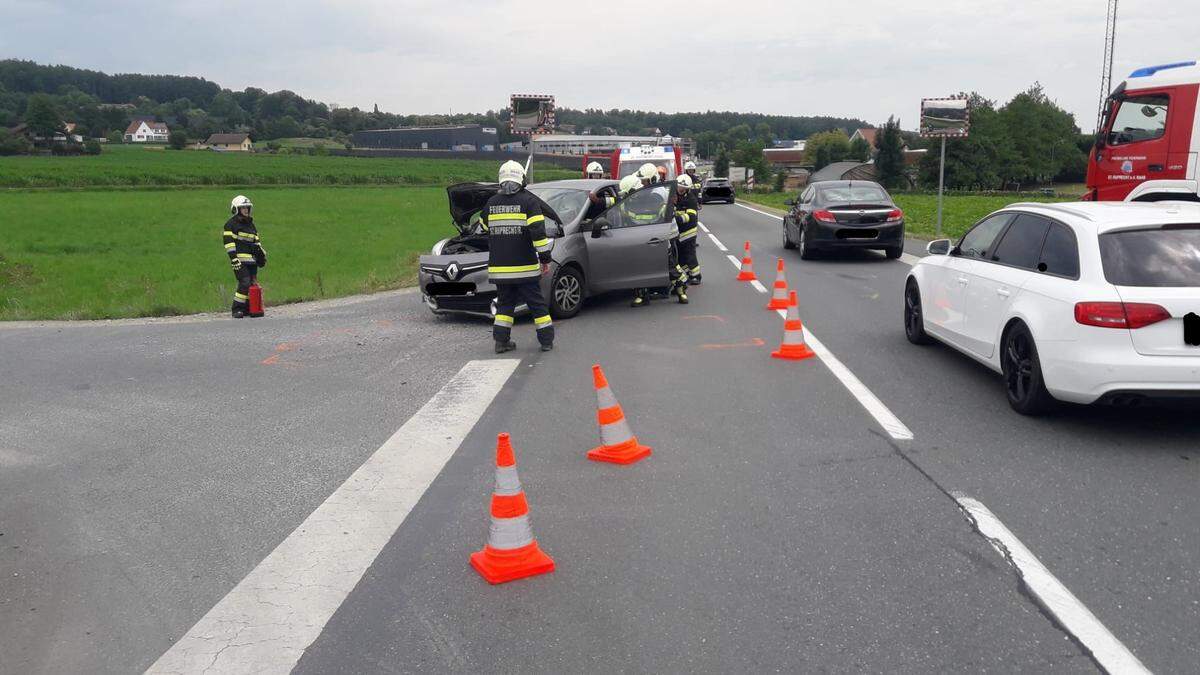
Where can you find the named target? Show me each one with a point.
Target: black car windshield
(853, 194)
(1154, 257)
(567, 202)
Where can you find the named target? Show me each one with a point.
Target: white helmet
(238, 202)
(648, 172)
(629, 184)
(684, 182)
(689, 166)
(511, 177)
(594, 170)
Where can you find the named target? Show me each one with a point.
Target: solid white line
(702, 226)
(716, 241)
(1109, 652)
(736, 263)
(908, 259)
(758, 286)
(885, 417)
(769, 215)
(267, 621)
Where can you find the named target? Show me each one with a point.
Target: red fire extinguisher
(256, 302)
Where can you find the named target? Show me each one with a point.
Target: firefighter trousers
(245, 278)
(688, 259)
(529, 293)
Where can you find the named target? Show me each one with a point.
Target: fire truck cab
(1149, 138)
(625, 161)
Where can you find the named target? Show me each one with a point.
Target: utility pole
(1110, 36)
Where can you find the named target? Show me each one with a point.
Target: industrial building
(461, 137)
(570, 144)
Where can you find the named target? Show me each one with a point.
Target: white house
(145, 131)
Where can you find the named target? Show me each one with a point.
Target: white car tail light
(1131, 315)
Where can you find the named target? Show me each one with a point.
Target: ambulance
(625, 161)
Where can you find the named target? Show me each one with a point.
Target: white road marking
(702, 226)
(716, 241)
(267, 621)
(1109, 652)
(769, 215)
(736, 263)
(758, 286)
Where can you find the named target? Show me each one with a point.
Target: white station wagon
(1082, 302)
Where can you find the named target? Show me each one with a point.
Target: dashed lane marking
(703, 226)
(717, 242)
(1073, 615)
(885, 417)
(757, 285)
(267, 621)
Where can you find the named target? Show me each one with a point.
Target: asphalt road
(146, 468)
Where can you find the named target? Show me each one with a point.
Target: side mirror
(938, 247)
(599, 225)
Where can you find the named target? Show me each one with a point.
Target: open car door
(629, 243)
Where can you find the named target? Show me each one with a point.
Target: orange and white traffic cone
(620, 446)
(779, 296)
(793, 346)
(511, 551)
(747, 271)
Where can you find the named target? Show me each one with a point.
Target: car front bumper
(472, 294)
(832, 235)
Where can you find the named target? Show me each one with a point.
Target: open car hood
(466, 199)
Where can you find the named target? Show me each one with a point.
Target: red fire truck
(1149, 138)
(624, 161)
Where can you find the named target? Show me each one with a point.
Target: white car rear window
(1164, 256)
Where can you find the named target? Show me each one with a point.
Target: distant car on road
(595, 249)
(1083, 302)
(841, 214)
(717, 189)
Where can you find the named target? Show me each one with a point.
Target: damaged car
(596, 248)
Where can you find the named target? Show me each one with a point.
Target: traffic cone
(511, 551)
(620, 446)
(793, 346)
(779, 296)
(747, 271)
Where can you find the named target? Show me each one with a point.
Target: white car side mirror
(938, 247)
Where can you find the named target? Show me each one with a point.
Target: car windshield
(852, 194)
(567, 202)
(1166, 256)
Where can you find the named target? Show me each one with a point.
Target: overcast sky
(863, 59)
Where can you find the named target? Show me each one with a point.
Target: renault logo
(452, 271)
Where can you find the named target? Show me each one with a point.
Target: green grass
(959, 212)
(110, 254)
(139, 166)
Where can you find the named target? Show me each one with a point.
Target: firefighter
(687, 216)
(245, 251)
(690, 170)
(648, 175)
(518, 256)
(594, 170)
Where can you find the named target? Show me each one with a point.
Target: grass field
(107, 254)
(135, 166)
(959, 212)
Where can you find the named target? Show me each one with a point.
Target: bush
(779, 178)
(13, 144)
(177, 140)
(66, 149)
(116, 137)
(91, 147)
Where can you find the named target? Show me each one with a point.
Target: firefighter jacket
(687, 216)
(517, 243)
(242, 242)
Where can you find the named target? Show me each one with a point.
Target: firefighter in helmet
(647, 175)
(245, 251)
(518, 256)
(594, 170)
(688, 218)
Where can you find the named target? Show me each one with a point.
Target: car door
(944, 301)
(632, 250)
(997, 278)
(1136, 147)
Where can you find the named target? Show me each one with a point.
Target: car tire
(787, 241)
(806, 251)
(566, 293)
(914, 315)
(894, 253)
(1023, 382)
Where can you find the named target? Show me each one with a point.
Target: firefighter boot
(682, 291)
(238, 311)
(508, 346)
(639, 298)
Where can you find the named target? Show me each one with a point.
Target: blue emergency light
(1150, 70)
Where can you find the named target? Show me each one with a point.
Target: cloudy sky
(863, 59)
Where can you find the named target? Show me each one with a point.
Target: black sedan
(841, 214)
(717, 189)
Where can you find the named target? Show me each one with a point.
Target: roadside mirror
(938, 247)
(599, 225)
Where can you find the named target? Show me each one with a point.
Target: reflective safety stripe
(502, 269)
(240, 296)
(535, 219)
(230, 246)
(696, 270)
(227, 233)
(506, 216)
(542, 322)
(503, 320)
(605, 398)
(793, 336)
(507, 482)
(688, 234)
(510, 533)
(692, 211)
(245, 256)
(615, 433)
(541, 242)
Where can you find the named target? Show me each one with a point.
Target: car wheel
(566, 293)
(806, 251)
(787, 241)
(1023, 372)
(914, 318)
(894, 253)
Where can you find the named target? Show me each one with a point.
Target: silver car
(596, 249)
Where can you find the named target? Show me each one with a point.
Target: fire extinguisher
(256, 301)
